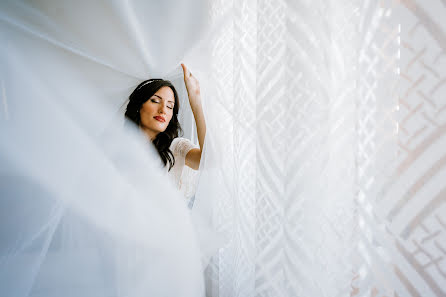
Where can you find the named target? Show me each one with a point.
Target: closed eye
(154, 101)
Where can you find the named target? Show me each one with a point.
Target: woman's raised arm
(193, 157)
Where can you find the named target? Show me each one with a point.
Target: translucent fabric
(85, 207)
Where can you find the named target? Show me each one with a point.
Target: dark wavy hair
(163, 140)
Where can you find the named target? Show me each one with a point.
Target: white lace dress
(183, 176)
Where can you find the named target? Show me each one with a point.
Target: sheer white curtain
(328, 121)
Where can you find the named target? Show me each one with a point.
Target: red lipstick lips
(159, 119)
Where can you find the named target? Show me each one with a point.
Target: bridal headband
(146, 82)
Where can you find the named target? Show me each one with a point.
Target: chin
(162, 130)
(159, 128)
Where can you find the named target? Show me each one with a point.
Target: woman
(154, 106)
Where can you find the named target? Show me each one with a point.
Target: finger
(186, 72)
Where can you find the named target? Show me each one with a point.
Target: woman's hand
(192, 85)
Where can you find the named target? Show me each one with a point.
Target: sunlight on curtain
(330, 118)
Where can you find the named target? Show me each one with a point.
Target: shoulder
(180, 141)
(181, 146)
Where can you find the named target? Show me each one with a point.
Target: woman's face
(157, 112)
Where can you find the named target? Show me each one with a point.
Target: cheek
(147, 108)
(169, 116)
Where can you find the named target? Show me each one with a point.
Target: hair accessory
(146, 82)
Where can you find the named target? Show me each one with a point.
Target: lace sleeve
(181, 146)
(186, 178)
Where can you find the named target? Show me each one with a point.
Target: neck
(151, 135)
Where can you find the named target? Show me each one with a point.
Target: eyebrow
(163, 99)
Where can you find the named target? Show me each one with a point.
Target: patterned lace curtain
(330, 121)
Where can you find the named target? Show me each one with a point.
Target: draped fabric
(86, 209)
(324, 163)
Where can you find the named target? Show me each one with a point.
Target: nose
(162, 108)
